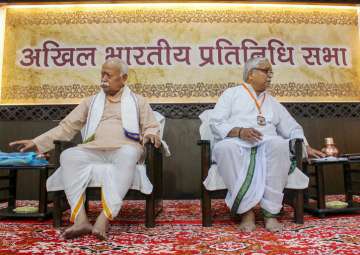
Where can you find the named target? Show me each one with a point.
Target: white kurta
(236, 108)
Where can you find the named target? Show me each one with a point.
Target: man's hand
(313, 153)
(154, 139)
(250, 134)
(24, 145)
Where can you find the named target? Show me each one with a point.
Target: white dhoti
(253, 175)
(117, 169)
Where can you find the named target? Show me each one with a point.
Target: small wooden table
(9, 212)
(320, 208)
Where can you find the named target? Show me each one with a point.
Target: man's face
(111, 79)
(260, 77)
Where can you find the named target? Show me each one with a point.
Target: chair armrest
(153, 162)
(205, 158)
(150, 148)
(203, 142)
(60, 146)
(299, 152)
(64, 143)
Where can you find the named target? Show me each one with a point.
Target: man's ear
(125, 77)
(250, 75)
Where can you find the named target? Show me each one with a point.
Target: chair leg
(205, 194)
(158, 188)
(12, 189)
(86, 203)
(206, 208)
(57, 210)
(150, 211)
(299, 207)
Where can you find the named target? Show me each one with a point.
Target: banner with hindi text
(180, 53)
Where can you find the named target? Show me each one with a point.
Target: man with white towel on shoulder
(252, 131)
(115, 124)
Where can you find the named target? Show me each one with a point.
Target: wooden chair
(293, 197)
(154, 205)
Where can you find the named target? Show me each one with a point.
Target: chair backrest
(161, 119)
(204, 129)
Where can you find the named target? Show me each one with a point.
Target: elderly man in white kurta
(252, 132)
(115, 123)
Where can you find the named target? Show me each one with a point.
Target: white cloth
(129, 114)
(165, 147)
(140, 182)
(235, 108)
(233, 172)
(114, 170)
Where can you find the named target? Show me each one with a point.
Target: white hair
(123, 67)
(251, 64)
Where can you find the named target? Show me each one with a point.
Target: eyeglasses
(265, 71)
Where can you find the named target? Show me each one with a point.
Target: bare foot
(77, 230)
(101, 227)
(273, 225)
(248, 222)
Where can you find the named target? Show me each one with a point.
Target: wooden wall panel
(182, 170)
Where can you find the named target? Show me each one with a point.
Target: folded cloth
(21, 159)
(129, 115)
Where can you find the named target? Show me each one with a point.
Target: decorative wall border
(185, 15)
(181, 111)
(292, 90)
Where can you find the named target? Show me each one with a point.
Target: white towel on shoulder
(129, 115)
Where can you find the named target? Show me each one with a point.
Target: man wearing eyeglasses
(252, 132)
